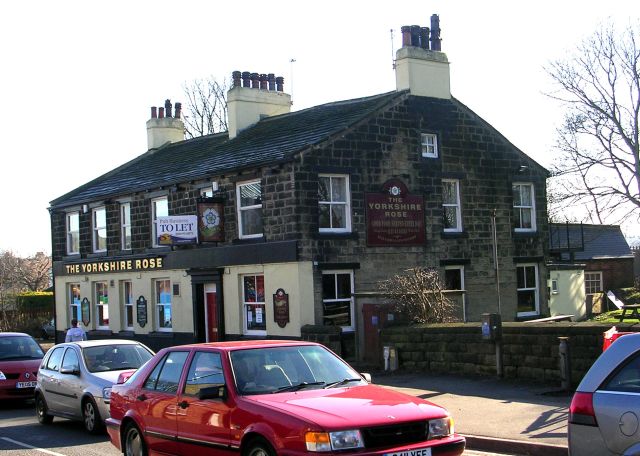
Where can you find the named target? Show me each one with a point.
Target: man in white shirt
(75, 334)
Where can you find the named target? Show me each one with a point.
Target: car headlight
(338, 440)
(441, 427)
(106, 393)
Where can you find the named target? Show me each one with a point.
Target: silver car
(605, 409)
(75, 379)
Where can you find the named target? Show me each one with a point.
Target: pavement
(496, 415)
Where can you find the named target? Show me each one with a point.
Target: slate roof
(271, 140)
(600, 241)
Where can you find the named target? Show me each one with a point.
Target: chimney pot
(406, 35)
(280, 84)
(255, 81)
(246, 79)
(435, 33)
(154, 112)
(272, 81)
(178, 109)
(161, 113)
(424, 38)
(263, 81)
(167, 107)
(237, 77)
(415, 35)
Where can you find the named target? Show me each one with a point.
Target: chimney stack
(162, 130)
(260, 95)
(421, 66)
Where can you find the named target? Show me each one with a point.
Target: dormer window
(429, 145)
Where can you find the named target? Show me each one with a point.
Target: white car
(75, 379)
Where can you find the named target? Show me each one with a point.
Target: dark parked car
(264, 398)
(20, 356)
(48, 329)
(75, 379)
(604, 411)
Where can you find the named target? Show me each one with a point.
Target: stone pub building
(291, 219)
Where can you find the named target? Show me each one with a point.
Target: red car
(20, 356)
(267, 398)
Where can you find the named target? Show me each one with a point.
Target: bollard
(565, 363)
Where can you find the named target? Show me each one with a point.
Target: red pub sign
(394, 217)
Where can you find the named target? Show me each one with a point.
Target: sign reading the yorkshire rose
(134, 264)
(177, 230)
(394, 216)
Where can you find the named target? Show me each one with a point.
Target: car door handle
(142, 397)
(183, 404)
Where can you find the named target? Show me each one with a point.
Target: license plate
(416, 452)
(26, 384)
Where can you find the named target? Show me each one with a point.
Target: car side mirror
(213, 392)
(366, 376)
(70, 371)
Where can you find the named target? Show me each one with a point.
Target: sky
(78, 78)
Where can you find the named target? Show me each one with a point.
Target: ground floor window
(253, 304)
(163, 304)
(127, 301)
(73, 296)
(454, 280)
(337, 299)
(593, 282)
(102, 305)
(527, 285)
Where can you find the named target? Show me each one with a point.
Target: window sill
(256, 240)
(332, 235)
(71, 257)
(454, 235)
(525, 234)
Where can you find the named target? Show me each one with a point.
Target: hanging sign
(211, 220)
(281, 308)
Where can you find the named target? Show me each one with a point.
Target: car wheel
(259, 447)
(91, 417)
(42, 411)
(133, 442)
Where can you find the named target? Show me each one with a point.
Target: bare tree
(34, 273)
(419, 295)
(9, 287)
(598, 167)
(206, 107)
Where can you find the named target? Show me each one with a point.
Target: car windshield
(105, 358)
(19, 347)
(281, 369)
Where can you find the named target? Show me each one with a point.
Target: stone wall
(530, 350)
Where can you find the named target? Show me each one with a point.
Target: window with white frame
(159, 208)
(527, 289)
(73, 297)
(73, 233)
(249, 197)
(593, 282)
(125, 226)
(451, 215)
(337, 298)
(454, 280)
(253, 304)
(163, 305)
(524, 207)
(101, 297)
(99, 228)
(429, 145)
(334, 203)
(127, 303)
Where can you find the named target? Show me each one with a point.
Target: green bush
(35, 301)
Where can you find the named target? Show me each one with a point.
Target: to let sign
(394, 216)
